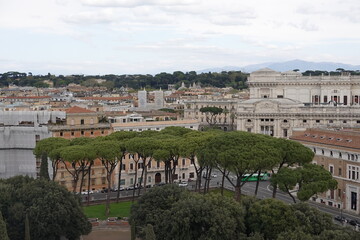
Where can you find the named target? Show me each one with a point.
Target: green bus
(254, 177)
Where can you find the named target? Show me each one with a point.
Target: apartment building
(338, 151)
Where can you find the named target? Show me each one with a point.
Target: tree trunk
(287, 190)
(145, 177)
(238, 192)
(82, 179)
(222, 183)
(89, 180)
(107, 206)
(208, 180)
(141, 178)
(119, 182)
(274, 186)
(166, 173)
(257, 183)
(54, 167)
(135, 181)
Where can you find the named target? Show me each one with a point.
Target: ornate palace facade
(280, 102)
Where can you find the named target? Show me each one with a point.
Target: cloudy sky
(151, 36)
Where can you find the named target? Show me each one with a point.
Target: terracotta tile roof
(334, 138)
(28, 97)
(107, 98)
(77, 109)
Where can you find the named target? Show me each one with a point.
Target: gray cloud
(134, 3)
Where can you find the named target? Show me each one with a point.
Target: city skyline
(138, 36)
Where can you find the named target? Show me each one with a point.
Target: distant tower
(159, 99)
(142, 99)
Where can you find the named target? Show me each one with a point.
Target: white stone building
(281, 102)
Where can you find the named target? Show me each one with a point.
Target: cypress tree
(44, 172)
(149, 232)
(3, 231)
(133, 231)
(27, 227)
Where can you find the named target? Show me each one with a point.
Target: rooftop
(77, 109)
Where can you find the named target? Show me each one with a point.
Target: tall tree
(291, 154)
(54, 211)
(121, 137)
(211, 114)
(79, 158)
(108, 152)
(51, 147)
(44, 172)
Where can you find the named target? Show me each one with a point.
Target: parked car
(115, 189)
(85, 192)
(354, 222)
(183, 184)
(341, 219)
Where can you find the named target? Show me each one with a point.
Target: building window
(331, 169)
(82, 133)
(92, 133)
(93, 181)
(317, 121)
(285, 132)
(91, 121)
(102, 171)
(249, 120)
(149, 179)
(285, 121)
(131, 181)
(322, 151)
(92, 172)
(280, 96)
(103, 180)
(331, 121)
(331, 153)
(304, 121)
(157, 164)
(61, 134)
(82, 121)
(62, 175)
(123, 167)
(249, 129)
(183, 161)
(191, 175)
(340, 171)
(353, 172)
(102, 132)
(325, 99)
(314, 149)
(72, 133)
(340, 155)
(122, 182)
(353, 200)
(131, 166)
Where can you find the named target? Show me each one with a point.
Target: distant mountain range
(286, 66)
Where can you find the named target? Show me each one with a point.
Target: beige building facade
(339, 153)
